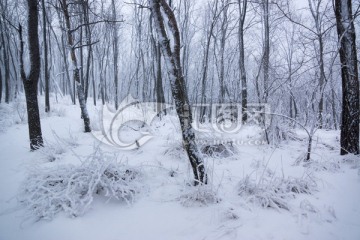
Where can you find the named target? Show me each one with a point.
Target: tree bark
(178, 87)
(31, 81)
(349, 136)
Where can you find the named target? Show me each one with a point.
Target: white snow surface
(165, 207)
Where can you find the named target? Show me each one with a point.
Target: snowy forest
(179, 119)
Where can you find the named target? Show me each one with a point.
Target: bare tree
(178, 87)
(349, 137)
(31, 80)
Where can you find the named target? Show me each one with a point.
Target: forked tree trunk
(349, 137)
(178, 87)
(31, 81)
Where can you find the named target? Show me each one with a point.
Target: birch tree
(161, 13)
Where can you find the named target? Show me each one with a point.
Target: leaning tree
(161, 13)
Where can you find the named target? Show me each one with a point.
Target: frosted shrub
(199, 196)
(71, 189)
(274, 193)
(19, 107)
(6, 119)
(72, 140)
(53, 151)
(175, 151)
(96, 123)
(329, 165)
(58, 111)
(281, 129)
(221, 150)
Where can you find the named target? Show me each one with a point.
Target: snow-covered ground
(258, 192)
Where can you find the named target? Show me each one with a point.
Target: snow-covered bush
(328, 165)
(6, 119)
(199, 196)
(275, 192)
(175, 151)
(96, 122)
(52, 151)
(71, 189)
(72, 140)
(352, 160)
(280, 129)
(19, 107)
(221, 150)
(58, 111)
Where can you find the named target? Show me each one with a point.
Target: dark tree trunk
(206, 63)
(349, 137)
(178, 87)
(242, 9)
(6, 64)
(89, 47)
(115, 55)
(46, 70)
(31, 81)
(266, 57)
(160, 98)
(35, 134)
(0, 85)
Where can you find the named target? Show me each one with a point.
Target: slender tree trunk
(89, 47)
(321, 80)
(31, 81)
(76, 73)
(6, 64)
(205, 65)
(178, 87)
(266, 57)
(349, 137)
(224, 26)
(1, 85)
(160, 98)
(333, 108)
(242, 10)
(46, 70)
(115, 55)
